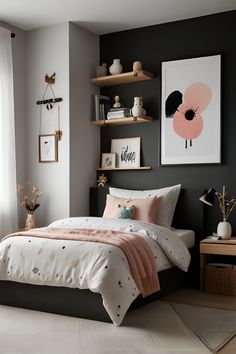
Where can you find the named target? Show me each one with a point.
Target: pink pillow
(145, 209)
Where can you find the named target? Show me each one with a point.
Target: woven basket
(220, 280)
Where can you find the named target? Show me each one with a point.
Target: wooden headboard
(189, 212)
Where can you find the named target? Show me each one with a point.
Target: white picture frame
(108, 160)
(48, 148)
(191, 111)
(127, 152)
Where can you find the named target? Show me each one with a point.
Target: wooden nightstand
(209, 247)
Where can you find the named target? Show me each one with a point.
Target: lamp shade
(208, 198)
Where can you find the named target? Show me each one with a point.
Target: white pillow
(168, 202)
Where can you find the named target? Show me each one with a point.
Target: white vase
(116, 67)
(137, 65)
(224, 229)
(137, 109)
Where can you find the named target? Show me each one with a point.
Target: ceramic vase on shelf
(30, 221)
(137, 109)
(101, 70)
(137, 65)
(224, 230)
(116, 67)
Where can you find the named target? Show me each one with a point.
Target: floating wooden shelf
(131, 76)
(123, 168)
(123, 121)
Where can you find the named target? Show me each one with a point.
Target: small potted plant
(30, 204)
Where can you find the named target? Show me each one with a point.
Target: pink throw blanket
(139, 254)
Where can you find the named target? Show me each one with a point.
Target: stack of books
(116, 113)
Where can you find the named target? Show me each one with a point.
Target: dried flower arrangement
(226, 205)
(31, 204)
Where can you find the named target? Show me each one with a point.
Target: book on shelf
(102, 106)
(118, 113)
(122, 115)
(114, 116)
(119, 109)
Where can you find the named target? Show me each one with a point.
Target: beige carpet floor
(155, 328)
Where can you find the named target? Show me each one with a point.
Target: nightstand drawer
(218, 248)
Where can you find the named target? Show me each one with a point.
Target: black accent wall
(208, 35)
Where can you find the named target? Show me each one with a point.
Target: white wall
(72, 53)
(19, 77)
(48, 52)
(84, 136)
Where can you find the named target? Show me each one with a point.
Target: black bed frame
(76, 302)
(86, 304)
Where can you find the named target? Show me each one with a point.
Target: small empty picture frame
(108, 161)
(48, 148)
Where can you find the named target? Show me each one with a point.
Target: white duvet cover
(102, 268)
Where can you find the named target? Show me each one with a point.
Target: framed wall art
(108, 160)
(127, 151)
(48, 148)
(191, 111)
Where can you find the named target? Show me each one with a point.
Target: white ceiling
(104, 16)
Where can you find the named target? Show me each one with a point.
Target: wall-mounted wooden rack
(123, 168)
(123, 121)
(131, 76)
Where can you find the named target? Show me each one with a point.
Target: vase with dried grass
(224, 229)
(30, 204)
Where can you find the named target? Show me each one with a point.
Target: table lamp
(224, 229)
(208, 198)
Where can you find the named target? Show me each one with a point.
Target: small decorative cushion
(168, 202)
(125, 212)
(144, 209)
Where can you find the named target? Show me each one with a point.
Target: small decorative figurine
(101, 70)
(102, 180)
(137, 109)
(116, 67)
(117, 103)
(137, 65)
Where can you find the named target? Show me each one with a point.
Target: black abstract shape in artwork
(190, 114)
(172, 103)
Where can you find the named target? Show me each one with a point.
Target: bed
(53, 297)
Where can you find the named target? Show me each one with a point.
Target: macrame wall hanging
(48, 143)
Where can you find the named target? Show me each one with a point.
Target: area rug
(214, 327)
(153, 329)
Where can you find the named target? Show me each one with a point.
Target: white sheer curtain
(8, 194)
